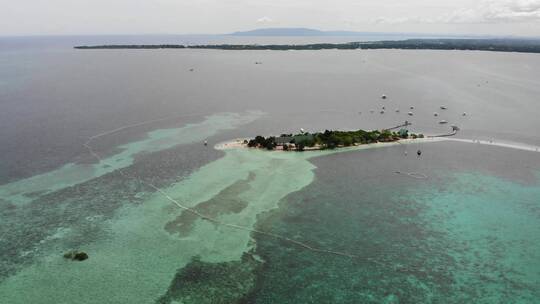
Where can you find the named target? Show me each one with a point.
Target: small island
(328, 139)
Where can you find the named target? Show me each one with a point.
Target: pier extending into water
(405, 124)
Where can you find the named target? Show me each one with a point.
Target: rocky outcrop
(75, 255)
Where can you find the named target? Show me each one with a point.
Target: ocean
(469, 232)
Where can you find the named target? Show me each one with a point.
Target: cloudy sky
(44, 17)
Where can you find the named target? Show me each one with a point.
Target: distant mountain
(301, 31)
(297, 31)
(280, 32)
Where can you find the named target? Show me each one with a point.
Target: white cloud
(488, 11)
(515, 10)
(265, 20)
(72, 17)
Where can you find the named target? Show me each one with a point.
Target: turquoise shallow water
(462, 237)
(138, 254)
(25, 190)
(468, 233)
(493, 227)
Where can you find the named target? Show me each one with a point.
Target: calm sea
(468, 233)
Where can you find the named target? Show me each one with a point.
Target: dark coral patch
(226, 202)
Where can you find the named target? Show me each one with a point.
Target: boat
(410, 113)
(382, 111)
(435, 114)
(383, 96)
(206, 143)
(397, 110)
(412, 108)
(442, 122)
(464, 114)
(443, 108)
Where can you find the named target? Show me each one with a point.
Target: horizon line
(235, 33)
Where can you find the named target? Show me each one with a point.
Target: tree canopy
(329, 139)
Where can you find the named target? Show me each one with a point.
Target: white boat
(383, 96)
(443, 108)
(442, 122)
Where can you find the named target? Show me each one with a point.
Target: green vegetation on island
(327, 139)
(496, 45)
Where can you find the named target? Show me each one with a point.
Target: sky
(87, 17)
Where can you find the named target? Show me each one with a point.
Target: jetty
(405, 124)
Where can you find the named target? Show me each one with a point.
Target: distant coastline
(494, 45)
(130, 46)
